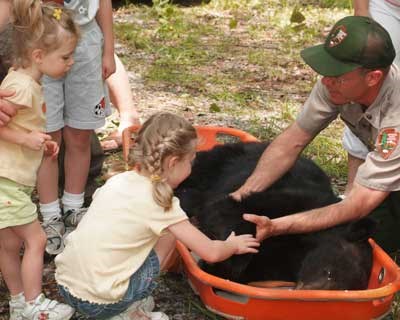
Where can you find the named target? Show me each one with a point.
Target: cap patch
(387, 141)
(337, 36)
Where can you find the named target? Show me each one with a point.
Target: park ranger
(360, 84)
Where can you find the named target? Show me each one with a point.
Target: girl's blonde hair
(37, 26)
(162, 135)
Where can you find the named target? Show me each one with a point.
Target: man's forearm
(272, 165)
(278, 158)
(360, 202)
(312, 220)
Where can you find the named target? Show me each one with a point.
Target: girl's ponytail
(162, 135)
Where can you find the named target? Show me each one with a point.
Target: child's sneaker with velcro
(46, 309)
(73, 216)
(16, 308)
(141, 310)
(54, 229)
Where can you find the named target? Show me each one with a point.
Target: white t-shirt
(113, 239)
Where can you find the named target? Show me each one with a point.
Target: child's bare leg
(47, 181)
(34, 240)
(77, 159)
(50, 209)
(10, 261)
(165, 248)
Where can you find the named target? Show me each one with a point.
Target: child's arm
(33, 140)
(213, 250)
(104, 18)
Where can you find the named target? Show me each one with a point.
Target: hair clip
(155, 178)
(57, 14)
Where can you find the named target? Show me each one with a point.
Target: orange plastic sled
(208, 137)
(237, 301)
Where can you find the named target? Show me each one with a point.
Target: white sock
(50, 210)
(30, 302)
(72, 201)
(20, 297)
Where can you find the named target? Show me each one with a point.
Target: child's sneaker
(141, 310)
(54, 230)
(16, 308)
(73, 216)
(43, 308)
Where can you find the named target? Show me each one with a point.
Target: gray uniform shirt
(377, 127)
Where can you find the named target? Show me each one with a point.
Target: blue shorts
(141, 285)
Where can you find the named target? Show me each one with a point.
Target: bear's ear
(361, 230)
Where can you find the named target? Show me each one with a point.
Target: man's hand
(263, 225)
(241, 193)
(51, 149)
(7, 111)
(257, 182)
(36, 140)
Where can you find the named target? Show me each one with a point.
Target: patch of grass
(329, 154)
(238, 54)
(347, 4)
(131, 36)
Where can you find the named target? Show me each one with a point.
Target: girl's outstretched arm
(213, 250)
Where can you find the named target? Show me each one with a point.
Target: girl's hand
(108, 67)
(245, 243)
(35, 140)
(51, 149)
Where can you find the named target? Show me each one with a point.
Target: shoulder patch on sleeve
(387, 141)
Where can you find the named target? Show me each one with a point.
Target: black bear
(338, 258)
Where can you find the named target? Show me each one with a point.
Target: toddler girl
(44, 40)
(110, 262)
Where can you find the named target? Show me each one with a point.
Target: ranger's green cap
(352, 43)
